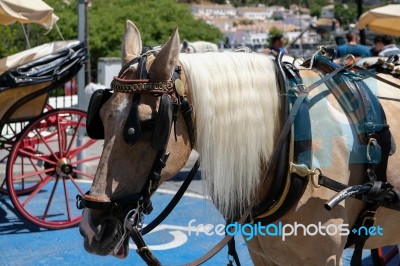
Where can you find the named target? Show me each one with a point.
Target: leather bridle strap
(274, 159)
(142, 249)
(171, 205)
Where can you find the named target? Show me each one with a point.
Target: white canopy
(383, 20)
(27, 11)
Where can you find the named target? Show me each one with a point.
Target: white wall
(107, 68)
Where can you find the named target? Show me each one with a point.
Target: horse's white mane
(235, 101)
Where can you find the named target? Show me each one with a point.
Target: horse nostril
(108, 228)
(100, 231)
(81, 231)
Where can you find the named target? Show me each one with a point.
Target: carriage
(43, 145)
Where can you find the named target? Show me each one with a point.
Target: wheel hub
(64, 167)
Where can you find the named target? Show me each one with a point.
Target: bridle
(130, 209)
(132, 132)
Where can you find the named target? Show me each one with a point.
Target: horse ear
(132, 44)
(166, 59)
(185, 44)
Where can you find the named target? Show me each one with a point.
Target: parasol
(27, 11)
(383, 20)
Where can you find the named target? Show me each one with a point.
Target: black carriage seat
(28, 76)
(49, 61)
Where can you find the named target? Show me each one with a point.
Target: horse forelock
(236, 105)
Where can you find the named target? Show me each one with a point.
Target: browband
(142, 85)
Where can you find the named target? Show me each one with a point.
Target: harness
(373, 132)
(288, 185)
(279, 199)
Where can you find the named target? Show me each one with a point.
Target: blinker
(162, 127)
(132, 130)
(94, 124)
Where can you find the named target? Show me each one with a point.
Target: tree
(316, 6)
(274, 31)
(347, 13)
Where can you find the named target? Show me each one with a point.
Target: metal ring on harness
(350, 57)
(372, 141)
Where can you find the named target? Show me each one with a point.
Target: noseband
(172, 99)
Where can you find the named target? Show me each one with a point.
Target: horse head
(137, 120)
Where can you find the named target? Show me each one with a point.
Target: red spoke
(77, 186)
(33, 155)
(37, 189)
(77, 150)
(31, 174)
(76, 130)
(59, 135)
(61, 129)
(66, 199)
(87, 159)
(84, 173)
(36, 169)
(50, 199)
(47, 145)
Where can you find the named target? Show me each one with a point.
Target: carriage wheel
(7, 142)
(8, 137)
(47, 163)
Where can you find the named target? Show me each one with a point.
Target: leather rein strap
(274, 159)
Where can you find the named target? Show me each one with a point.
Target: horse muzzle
(108, 238)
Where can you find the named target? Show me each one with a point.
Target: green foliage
(273, 32)
(156, 19)
(316, 6)
(9, 44)
(13, 39)
(347, 13)
(246, 22)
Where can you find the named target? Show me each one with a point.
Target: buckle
(369, 216)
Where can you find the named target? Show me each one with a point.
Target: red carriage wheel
(46, 162)
(9, 135)
(7, 142)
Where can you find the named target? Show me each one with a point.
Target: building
(255, 13)
(214, 10)
(250, 26)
